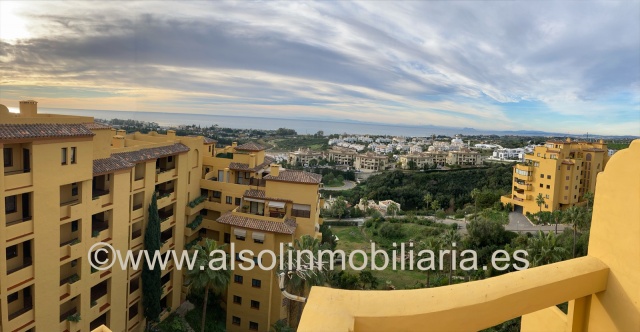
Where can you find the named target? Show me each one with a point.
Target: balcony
(165, 198)
(21, 273)
(70, 210)
(70, 287)
(99, 300)
(17, 179)
(164, 175)
(601, 288)
(18, 228)
(70, 250)
(22, 316)
(137, 184)
(66, 324)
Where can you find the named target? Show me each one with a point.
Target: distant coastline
(302, 126)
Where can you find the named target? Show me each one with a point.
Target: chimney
(568, 139)
(117, 141)
(171, 133)
(234, 144)
(275, 170)
(252, 160)
(121, 132)
(28, 108)
(601, 141)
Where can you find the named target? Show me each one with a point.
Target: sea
(301, 126)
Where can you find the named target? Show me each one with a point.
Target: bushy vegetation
(451, 190)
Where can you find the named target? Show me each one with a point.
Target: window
(576, 187)
(247, 175)
(548, 187)
(575, 196)
(256, 283)
(217, 194)
(238, 279)
(227, 238)
(63, 156)
(549, 177)
(169, 159)
(255, 304)
(12, 251)
(253, 326)
(74, 189)
(12, 297)
(8, 157)
(542, 176)
(238, 200)
(568, 168)
(566, 197)
(546, 196)
(74, 226)
(566, 187)
(237, 299)
(546, 206)
(229, 199)
(235, 320)
(541, 185)
(567, 178)
(10, 205)
(73, 154)
(240, 234)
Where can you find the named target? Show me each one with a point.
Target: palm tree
(450, 237)
(557, 216)
(202, 277)
(588, 196)
(544, 249)
(432, 244)
(393, 209)
(540, 201)
(574, 216)
(301, 281)
(475, 193)
(427, 199)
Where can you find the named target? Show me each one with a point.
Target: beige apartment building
(370, 162)
(304, 156)
(69, 183)
(423, 159)
(561, 171)
(464, 157)
(341, 156)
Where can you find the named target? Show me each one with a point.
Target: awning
(253, 200)
(302, 207)
(258, 236)
(278, 205)
(240, 232)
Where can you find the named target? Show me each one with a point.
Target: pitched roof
(286, 227)
(151, 153)
(245, 167)
(295, 176)
(97, 126)
(21, 131)
(260, 194)
(251, 146)
(108, 165)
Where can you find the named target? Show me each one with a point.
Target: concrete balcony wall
(14, 181)
(137, 184)
(102, 305)
(166, 176)
(19, 323)
(17, 277)
(19, 229)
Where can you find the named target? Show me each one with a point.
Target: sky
(556, 66)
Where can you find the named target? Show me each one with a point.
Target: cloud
(460, 63)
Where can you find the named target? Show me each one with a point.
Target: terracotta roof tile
(239, 167)
(151, 153)
(97, 126)
(287, 227)
(21, 131)
(260, 194)
(245, 167)
(295, 176)
(250, 147)
(108, 165)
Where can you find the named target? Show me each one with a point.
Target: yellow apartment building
(562, 171)
(341, 156)
(423, 159)
(601, 289)
(370, 162)
(68, 183)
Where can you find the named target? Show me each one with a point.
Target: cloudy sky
(555, 66)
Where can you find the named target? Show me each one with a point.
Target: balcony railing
(28, 305)
(97, 193)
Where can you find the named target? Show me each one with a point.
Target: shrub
(391, 231)
(74, 317)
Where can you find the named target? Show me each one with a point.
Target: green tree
(440, 215)
(449, 238)
(427, 199)
(540, 201)
(339, 207)
(435, 205)
(367, 278)
(475, 193)
(557, 217)
(412, 165)
(300, 280)
(281, 326)
(544, 249)
(433, 244)
(313, 162)
(209, 273)
(151, 284)
(393, 209)
(589, 196)
(576, 217)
